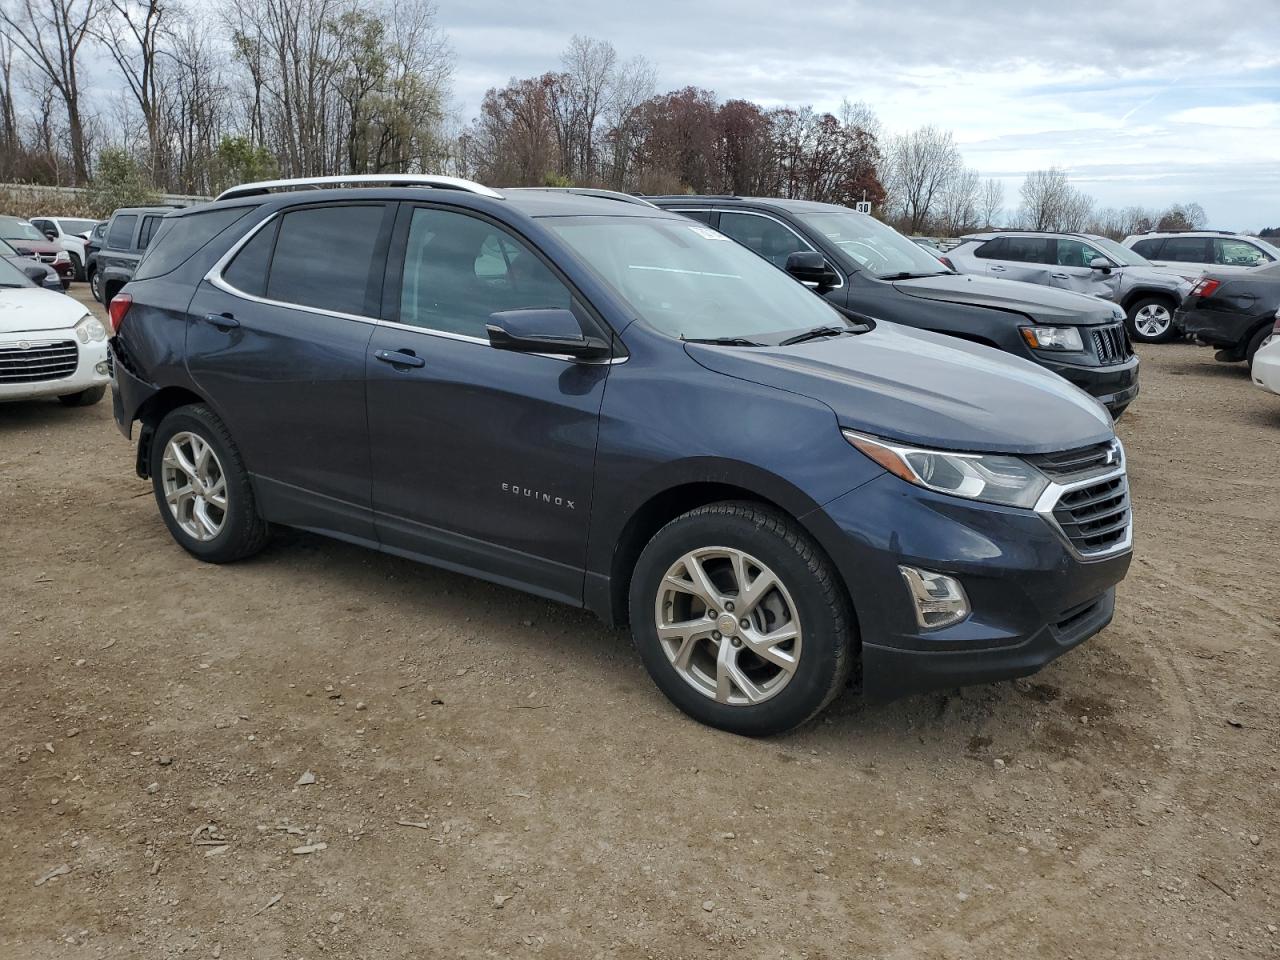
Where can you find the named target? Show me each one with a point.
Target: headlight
(992, 478)
(62, 257)
(89, 329)
(1052, 338)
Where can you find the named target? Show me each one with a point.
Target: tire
(77, 268)
(95, 285)
(1255, 344)
(1156, 315)
(85, 398)
(230, 531)
(722, 538)
(66, 284)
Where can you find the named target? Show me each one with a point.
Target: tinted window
(176, 239)
(1237, 253)
(1027, 249)
(323, 257)
(458, 270)
(149, 225)
(44, 226)
(120, 233)
(1148, 248)
(248, 270)
(703, 215)
(991, 250)
(1076, 253)
(766, 237)
(1184, 250)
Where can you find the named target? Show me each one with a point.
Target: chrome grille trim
(1111, 517)
(1109, 342)
(41, 360)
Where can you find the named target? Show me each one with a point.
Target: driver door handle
(223, 321)
(1060, 276)
(400, 358)
(995, 269)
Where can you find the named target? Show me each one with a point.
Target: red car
(30, 242)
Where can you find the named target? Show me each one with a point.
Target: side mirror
(554, 331)
(50, 235)
(810, 268)
(1100, 263)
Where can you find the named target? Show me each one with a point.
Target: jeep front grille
(39, 361)
(1111, 343)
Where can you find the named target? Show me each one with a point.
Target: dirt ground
(495, 776)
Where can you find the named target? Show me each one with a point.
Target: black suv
(867, 268)
(612, 406)
(124, 241)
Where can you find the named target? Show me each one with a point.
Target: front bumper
(1266, 366)
(1114, 386)
(1032, 596)
(90, 369)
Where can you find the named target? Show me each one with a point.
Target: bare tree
(990, 202)
(920, 163)
(50, 35)
(632, 84)
(589, 68)
(9, 138)
(1045, 197)
(132, 34)
(958, 202)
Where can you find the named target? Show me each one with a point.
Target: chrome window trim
(1055, 491)
(786, 226)
(465, 338)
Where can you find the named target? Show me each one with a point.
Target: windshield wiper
(724, 341)
(908, 275)
(814, 334)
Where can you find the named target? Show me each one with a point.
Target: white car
(1217, 251)
(70, 233)
(49, 345)
(1266, 362)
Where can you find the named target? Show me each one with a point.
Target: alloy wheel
(1152, 320)
(728, 625)
(195, 487)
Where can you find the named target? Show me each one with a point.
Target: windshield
(690, 281)
(1120, 253)
(76, 226)
(11, 276)
(11, 228)
(871, 246)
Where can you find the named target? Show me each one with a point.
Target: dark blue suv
(609, 405)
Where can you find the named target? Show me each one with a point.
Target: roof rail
(591, 192)
(359, 179)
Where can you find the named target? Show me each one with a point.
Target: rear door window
(324, 257)
(120, 233)
(148, 230)
(1185, 250)
(1027, 249)
(765, 236)
(247, 272)
(991, 250)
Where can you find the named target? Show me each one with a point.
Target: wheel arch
(153, 410)
(665, 505)
(1149, 293)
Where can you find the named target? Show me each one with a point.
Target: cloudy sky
(1143, 103)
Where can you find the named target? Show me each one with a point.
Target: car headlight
(62, 257)
(90, 330)
(991, 478)
(1052, 338)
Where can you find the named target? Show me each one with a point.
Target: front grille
(42, 360)
(1069, 464)
(1111, 344)
(1096, 516)
(46, 258)
(1076, 615)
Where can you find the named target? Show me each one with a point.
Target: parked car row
(780, 492)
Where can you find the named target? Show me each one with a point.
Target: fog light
(101, 368)
(939, 600)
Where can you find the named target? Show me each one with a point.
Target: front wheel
(202, 487)
(740, 619)
(1151, 321)
(1259, 340)
(95, 285)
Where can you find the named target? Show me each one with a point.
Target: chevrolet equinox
(582, 396)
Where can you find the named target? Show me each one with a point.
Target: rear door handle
(1060, 276)
(997, 269)
(223, 321)
(400, 358)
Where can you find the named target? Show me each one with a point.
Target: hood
(30, 309)
(923, 388)
(35, 246)
(1042, 304)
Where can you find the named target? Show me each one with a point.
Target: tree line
(202, 98)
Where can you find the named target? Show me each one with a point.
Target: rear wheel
(1256, 344)
(1151, 320)
(740, 620)
(77, 267)
(202, 487)
(84, 398)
